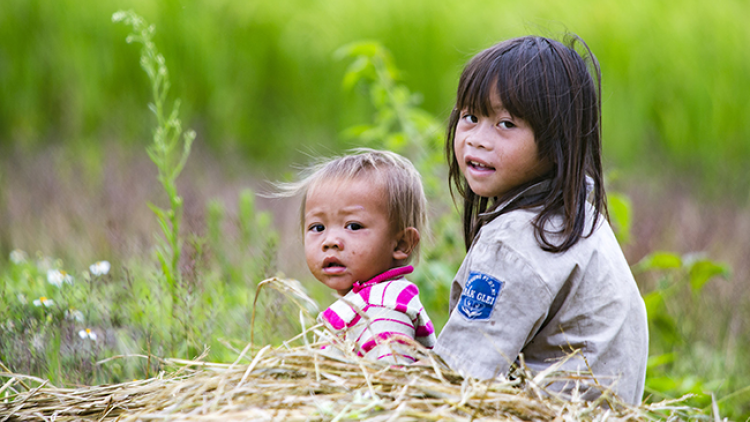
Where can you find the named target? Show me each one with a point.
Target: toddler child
(543, 274)
(361, 217)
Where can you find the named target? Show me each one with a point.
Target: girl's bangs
(490, 72)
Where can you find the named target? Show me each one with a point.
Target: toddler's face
(348, 236)
(496, 153)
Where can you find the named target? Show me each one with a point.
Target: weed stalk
(164, 152)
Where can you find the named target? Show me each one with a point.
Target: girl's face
(496, 153)
(348, 235)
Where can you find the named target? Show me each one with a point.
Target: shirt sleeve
(387, 320)
(386, 334)
(395, 319)
(499, 303)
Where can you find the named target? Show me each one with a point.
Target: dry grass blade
(284, 384)
(309, 383)
(289, 288)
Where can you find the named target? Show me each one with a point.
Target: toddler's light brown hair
(407, 205)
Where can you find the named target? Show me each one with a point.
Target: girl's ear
(406, 240)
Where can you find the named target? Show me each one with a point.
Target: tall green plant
(165, 150)
(680, 281)
(400, 125)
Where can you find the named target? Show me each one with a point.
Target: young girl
(544, 275)
(361, 218)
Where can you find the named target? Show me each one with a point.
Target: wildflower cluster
(58, 277)
(45, 306)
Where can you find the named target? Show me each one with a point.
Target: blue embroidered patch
(479, 296)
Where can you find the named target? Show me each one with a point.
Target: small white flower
(43, 301)
(44, 263)
(74, 314)
(18, 256)
(58, 277)
(22, 299)
(37, 341)
(99, 268)
(87, 334)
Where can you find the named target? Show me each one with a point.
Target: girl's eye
(505, 124)
(354, 226)
(470, 118)
(316, 228)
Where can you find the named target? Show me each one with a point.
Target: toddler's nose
(333, 242)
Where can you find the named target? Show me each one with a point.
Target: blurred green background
(259, 78)
(262, 86)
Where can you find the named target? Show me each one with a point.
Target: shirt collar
(536, 189)
(533, 190)
(388, 275)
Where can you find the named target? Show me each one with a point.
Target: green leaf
(355, 72)
(263, 220)
(160, 213)
(659, 360)
(359, 48)
(53, 356)
(704, 270)
(659, 261)
(661, 384)
(396, 142)
(664, 327)
(654, 302)
(620, 212)
(379, 97)
(356, 131)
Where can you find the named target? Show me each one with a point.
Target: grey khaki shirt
(511, 297)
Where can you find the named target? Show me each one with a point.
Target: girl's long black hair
(557, 91)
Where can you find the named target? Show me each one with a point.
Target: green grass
(263, 80)
(260, 79)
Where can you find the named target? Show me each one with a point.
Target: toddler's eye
(354, 226)
(316, 227)
(506, 124)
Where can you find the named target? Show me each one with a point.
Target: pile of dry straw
(307, 383)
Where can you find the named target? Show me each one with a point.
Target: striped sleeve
(403, 296)
(395, 312)
(383, 320)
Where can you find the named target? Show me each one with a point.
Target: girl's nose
(479, 138)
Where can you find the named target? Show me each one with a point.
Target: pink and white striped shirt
(380, 314)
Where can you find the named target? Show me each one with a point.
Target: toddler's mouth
(332, 265)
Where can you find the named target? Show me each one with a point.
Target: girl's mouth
(479, 166)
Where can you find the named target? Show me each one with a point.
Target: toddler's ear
(406, 240)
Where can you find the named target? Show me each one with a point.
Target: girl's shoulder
(515, 233)
(512, 228)
(508, 246)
